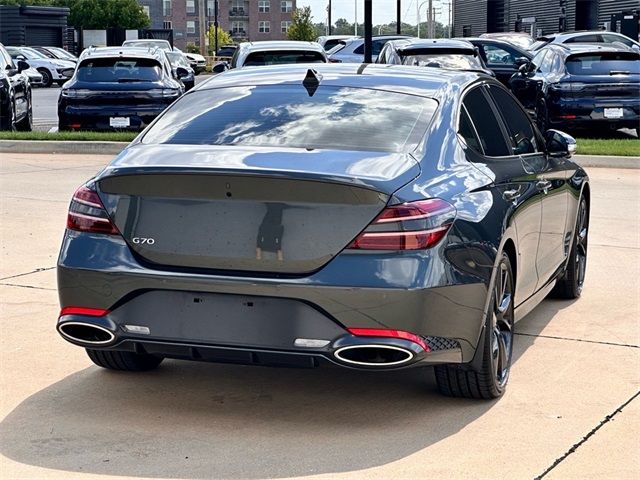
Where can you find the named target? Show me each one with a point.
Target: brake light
(89, 312)
(383, 332)
(87, 213)
(409, 226)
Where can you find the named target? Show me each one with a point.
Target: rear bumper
(388, 291)
(98, 118)
(577, 113)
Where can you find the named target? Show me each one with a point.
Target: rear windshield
(148, 44)
(329, 44)
(604, 63)
(276, 58)
(119, 70)
(177, 59)
(454, 61)
(341, 118)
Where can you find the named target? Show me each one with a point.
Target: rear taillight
(87, 214)
(409, 226)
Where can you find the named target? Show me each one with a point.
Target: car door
(550, 182)
(487, 140)
(500, 59)
(18, 85)
(526, 85)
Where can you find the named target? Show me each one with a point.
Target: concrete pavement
(575, 375)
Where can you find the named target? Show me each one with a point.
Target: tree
(301, 27)
(223, 38)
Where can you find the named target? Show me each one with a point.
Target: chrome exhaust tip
(86, 333)
(374, 355)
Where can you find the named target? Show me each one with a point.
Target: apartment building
(244, 19)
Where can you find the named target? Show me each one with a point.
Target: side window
(557, 64)
(608, 38)
(486, 124)
(376, 46)
(496, 55)
(521, 131)
(583, 39)
(359, 50)
(545, 66)
(539, 58)
(468, 132)
(382, 58)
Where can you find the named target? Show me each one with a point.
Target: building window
(284, 26)
(264, 26)
(191, 6)
(238, 28)
(145, 9)
(191, 26)
(166, 8)
(237, 7)
(263, 6)
(211, 8)
(167, 25)
(286, 6)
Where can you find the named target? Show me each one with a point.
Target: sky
(384, 11)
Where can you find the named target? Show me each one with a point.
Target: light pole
(355, 23)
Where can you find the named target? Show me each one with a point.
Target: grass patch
(628, 147)
(71, 136)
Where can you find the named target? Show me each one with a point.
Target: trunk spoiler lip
(401, 167)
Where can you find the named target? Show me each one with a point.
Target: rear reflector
(409, 226)
(87, 214)
(89, 312)
(568, 117)
(383, 332)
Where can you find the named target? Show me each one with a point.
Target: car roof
(574, 48)
(280, 45)
(431, 43)
(106, 52)
(425, 81)
(504, 34)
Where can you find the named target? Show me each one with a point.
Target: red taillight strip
(409, 240)
(90, 217)
(89, 312)
(383, 332)
(86, 202)
(413, 211)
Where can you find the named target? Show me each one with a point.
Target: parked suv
(118, 88)
(352, 50)
(581, 86)
(595, 36)
(15, 94)
(253, 54)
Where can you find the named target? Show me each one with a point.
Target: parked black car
(118, 88)
(581, 86)
(501, 57)
(297, 215)
(15, 94)
(439, 53)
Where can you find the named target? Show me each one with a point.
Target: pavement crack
(27, 273)
(577, 445)
(578, 340)
(27, 286)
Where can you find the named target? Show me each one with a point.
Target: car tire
(569, 285)
(26, 124)
(489, 379)
(47, 78)
(125, 361)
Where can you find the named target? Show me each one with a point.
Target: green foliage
(70, 136)
(301, 27)
(223, 38)
(192, 48)
(96, 14)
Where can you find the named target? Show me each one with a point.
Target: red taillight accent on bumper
(419, 225)
(383, 332)
(417, 240)
(87, 214)
(89, 312)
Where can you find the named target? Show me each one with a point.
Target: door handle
(543, 185)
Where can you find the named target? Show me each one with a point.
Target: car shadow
(198, 420)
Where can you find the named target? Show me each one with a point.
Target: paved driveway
(574, 381)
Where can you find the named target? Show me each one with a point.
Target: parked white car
(330, 41)
(51, 69)
(252, 54)
(352, 50)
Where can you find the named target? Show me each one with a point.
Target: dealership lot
(575, 364)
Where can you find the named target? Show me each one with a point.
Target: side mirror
(524, 69)
(182, 72)
(220, 67)
(560, 144)
(22, 65)
(521, 61)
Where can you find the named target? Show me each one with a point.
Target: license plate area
(119, 122)
(613, 112)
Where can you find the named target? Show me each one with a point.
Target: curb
(113, 148)
(55, 146)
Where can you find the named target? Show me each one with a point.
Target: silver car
(352, 50)
(251, 54)
(51, 69)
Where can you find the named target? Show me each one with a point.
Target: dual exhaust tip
(358, 355)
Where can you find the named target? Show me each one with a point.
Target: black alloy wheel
(47, 79)
(26, 124)
(490, 380)
(570, 285)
